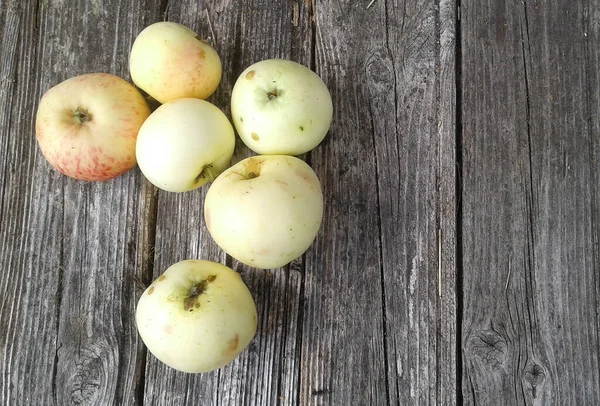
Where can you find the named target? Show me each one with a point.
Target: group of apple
(264, 211)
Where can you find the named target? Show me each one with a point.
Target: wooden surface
(530, 203)
(459, 254)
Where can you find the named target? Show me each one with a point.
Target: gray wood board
(367, 316)
(70, 251)
(530, 168)
(375, 328)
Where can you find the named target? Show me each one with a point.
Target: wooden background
(459, 255)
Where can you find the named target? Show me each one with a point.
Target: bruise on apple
(264, 252)
(306, 176)
(191, 301)
(250, 75)
(232, 346)
(281, 184)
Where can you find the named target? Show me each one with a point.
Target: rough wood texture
(372, 311)
(530, 156)
(70, 251)
(370, 314)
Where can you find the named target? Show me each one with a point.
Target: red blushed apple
(87, 126)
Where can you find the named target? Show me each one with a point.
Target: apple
(197, 316)
(184, 144)
(265, 211)
(169, 61)
(280, 107)
(86, 126)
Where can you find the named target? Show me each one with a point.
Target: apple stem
(205, 173)
(81, 115)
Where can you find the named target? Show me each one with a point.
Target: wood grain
(70, 250)
(268, 371)
(30, 222)
(376, 330)
(530, 133)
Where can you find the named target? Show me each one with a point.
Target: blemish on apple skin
(151, 291)
(264, 251)
(250, 75)
(232, 345)
(168, 329)
(162, 278)
(255, 137)
(241, 119)
(301, 128)
(304, 175)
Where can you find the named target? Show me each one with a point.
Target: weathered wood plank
(30, 277)
(530, 135)
(376, 330)
(70, 250)
(268, 371)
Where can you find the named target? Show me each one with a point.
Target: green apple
(169, 61)
(184, 144)
(281, 107)
(197, 316)
(265, 211)
(86, 126)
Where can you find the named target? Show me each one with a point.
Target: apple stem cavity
(191, 301)
(273, 94)
(252, 168)
(81, 115)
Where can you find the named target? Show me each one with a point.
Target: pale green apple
(265, 211)
(169, 61)
(87, 126)
(197, 316)
(184, 144)
(281, 107)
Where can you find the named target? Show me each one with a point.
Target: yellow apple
(86, 126)
(169, 61)
(280, 107)
(184, 144)
(265, 211)
(197, 316)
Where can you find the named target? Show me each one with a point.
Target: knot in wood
(489, 347)
(379, 70)
(534, 378)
